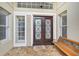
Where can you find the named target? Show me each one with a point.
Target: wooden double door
(42, 30)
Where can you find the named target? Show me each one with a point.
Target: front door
(43, 30)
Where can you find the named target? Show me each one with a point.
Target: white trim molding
(41, 14)
(25, 42)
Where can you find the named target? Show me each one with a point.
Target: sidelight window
(3, 23)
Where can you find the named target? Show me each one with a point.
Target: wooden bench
(68, 46)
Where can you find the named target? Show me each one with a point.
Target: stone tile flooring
(40, 50)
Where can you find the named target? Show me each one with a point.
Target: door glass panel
(38, 28)
(47, 29)
(20, 29)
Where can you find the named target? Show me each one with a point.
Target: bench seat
(66, 48)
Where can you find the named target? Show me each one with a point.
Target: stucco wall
(7, 44)
(28, 30)
(59, 7)
(72, 19)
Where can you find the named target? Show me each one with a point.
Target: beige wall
(29, 30)
(72, 19)
(60, 7)
(7, 44)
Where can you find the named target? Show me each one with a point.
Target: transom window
(40, 5)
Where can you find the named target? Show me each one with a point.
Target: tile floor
(40, 50)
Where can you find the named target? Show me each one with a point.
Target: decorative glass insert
(38, 28)
(47, 29)
(20, 29)
(40, 5)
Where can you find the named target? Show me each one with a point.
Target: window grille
(40, 5)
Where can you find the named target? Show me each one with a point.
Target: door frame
(43, 39)
(32, 14)
(43, 14)
(19, 44)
